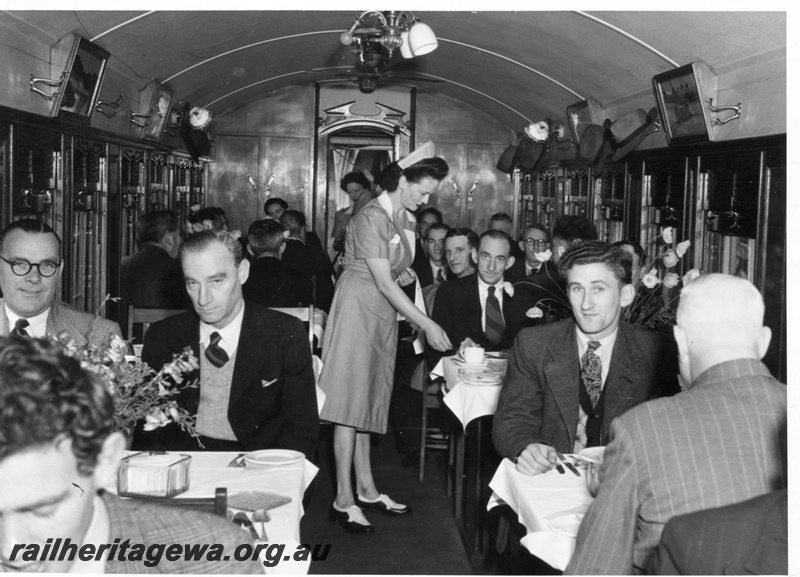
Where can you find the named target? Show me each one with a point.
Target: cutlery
(238, 461)
(568, 465)
(560, 469)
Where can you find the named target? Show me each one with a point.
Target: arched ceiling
(517, 66)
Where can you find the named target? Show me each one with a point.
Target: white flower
(670, 258)
(236, 234)
(199, 118)
(682, 247)
(651, 280)
(671, 280)
(395, 239)
(543, 256)
(173, 412)
(538, 131)
(690, 276)
(509, 289)
(534, 313)
(667, 234)
(155, 420)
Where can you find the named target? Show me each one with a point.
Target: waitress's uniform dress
(360, 344)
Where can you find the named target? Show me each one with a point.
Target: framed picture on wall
(682, 95)
(155, 100)
(582, 114)
(80, 65)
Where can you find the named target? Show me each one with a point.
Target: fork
(238, 461)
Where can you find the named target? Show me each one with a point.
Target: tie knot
(215, 339)
(594, 345)
(21, 324)
(492, 289)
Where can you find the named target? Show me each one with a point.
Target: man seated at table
(271, 283)
(57, 453)
(720, 441)
(30, 268)
(479, 310)
(433, 270)
(305, 256)
(567, 381)
(504, 222)
(461, 252)
(256, 381)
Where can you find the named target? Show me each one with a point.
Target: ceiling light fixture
(397, 30)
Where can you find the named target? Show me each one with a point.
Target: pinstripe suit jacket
(720, 442)
(149, 524)
(82, 326)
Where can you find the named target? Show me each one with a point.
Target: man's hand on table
(536, 458)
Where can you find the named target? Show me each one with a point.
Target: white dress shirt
(37, 326)
(435, 268)
(229, 333)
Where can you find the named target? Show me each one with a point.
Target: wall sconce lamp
(396, 30)
(114, 105)
(37, 201)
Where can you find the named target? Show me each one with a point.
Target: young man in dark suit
(257, 386)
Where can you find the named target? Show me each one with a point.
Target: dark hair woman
(361, 337)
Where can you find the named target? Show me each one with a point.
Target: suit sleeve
(300, 422)
(675, 539)
(607, 534)
(518, 420)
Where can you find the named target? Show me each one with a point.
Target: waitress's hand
(406, 277)
(437, 338)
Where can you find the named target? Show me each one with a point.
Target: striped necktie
(495, 323)
(215, 353)
(19, 328)
(439, 277)
(592, 372)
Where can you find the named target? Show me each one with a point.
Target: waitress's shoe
(383, 504)
(351, 519)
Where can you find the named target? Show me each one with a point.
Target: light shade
(422, 39)
(405, 47)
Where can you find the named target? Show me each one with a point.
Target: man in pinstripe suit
(718, 442)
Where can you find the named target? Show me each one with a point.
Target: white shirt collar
(386, 203)
(37, 326)
(229, 333)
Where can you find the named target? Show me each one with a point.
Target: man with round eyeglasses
(30, 268)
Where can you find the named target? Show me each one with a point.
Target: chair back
(146, 316)
(305, 314)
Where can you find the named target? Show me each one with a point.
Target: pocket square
(267, 383)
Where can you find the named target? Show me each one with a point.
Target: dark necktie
(439, 277)
(19, 328)
(215, 353)
(592, 372)
(495, 323)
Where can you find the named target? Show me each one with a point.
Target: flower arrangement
(139, 392)
(650, 309)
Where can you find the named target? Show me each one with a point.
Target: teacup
(473, 355)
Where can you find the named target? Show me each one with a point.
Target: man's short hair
(500, 217)
(572, 227)
(212, 213)
(265, 236)
(497, 234)
(46, 395)
(154, 225)
(536, 226)
(439, 226)
(430, 210)
(638, 250)
(283, 204)
(355, 176)
(597, 252)
(200, 240)
(30, 226)
(472, 236)
(293, 220)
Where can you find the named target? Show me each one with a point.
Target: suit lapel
(250, 354)
(474, 312)
(621, 372)
(562, 369)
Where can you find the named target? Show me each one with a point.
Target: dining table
(550, 506)
(471, 392)
(209, 470)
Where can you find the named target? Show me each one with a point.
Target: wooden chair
(145, 317)
(431, 399)
(305, 314)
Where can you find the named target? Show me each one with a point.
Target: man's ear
(244, 271)
(521, 245)
(105, 471)
(250, 250)
(764, 341)
(281, 248)
(509, 262)
(473, 253)
(681, 341)
(627, 296)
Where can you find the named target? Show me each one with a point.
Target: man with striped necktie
(567, 381)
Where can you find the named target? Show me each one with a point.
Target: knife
(569, 465)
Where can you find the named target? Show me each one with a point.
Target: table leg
(478, 485)
(459, 476)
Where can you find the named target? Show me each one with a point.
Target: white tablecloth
(209, 470)
(468, 402)
(539, 500)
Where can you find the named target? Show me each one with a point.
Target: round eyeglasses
(21, 267)
(539, 243)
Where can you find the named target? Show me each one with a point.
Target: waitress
(361, 336)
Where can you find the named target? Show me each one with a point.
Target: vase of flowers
(139, 392)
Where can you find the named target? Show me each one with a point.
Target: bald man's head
(720, 318)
